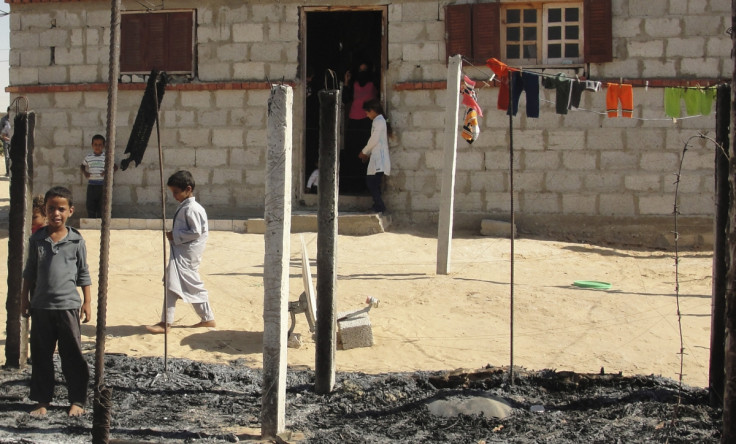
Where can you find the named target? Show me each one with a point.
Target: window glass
(513, 16)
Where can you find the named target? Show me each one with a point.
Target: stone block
(419, 11)
(354, 329)
(137, 224)
(208, 34)
(421, 52)
(577, 161)
(422, 139)
(227, 137)
(23, 76)
(229, 99)
(210, 118)
(249, 70)
(562, 181)
(221, 224)
(472, 161)
(649, 49)
(566, 140)
(35, 57)
(616, 205)
(56, 37)
(540, 203)
(545, 160)
(612, 160)
(579, 204)
(699, 66)
(69, 56)
(245, 157)
(122, 223)
(90, 224)
(496, 228)
(404, 32)
(643, 182)
(248, 32)
(24, 40)
(196, 99)
(657, 204)
(283, 32)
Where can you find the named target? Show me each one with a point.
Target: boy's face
(179, 194)
(97, 146)
(58, 211)
(38, 219)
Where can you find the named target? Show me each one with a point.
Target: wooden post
(720, 263)
(324, 367)
(21, 152)
(276, 262)
(447, 203)
(103, 395)
(729, 394)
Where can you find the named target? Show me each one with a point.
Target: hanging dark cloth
(145, 119)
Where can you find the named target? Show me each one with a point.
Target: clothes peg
(646, 85)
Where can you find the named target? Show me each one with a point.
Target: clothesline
(634, 82)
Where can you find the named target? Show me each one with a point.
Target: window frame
(476, 31)
(177, 30)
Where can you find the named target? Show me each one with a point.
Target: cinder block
(138, 224)
(90, 224)
(496, 228)
(354, 329)
(221, 224)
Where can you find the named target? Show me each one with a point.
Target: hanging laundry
(470, 99)
(672, 100)
(699, 101)
(470, 126)
(502, 72)
(529, 83)
(562, 85)
(577, 88)
(624, 93)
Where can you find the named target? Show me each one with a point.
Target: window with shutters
(160, 40)
(551, 33)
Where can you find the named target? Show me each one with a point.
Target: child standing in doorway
(188, 237)
(55, 267)
(376, 153)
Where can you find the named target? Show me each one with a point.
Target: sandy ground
(426, 321)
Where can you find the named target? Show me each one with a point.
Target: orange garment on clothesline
(502, 71)
(620, 92)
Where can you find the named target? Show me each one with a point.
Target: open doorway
(344, 41)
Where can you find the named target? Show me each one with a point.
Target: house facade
(581, 174)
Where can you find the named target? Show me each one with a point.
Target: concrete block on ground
(138, 224)
(496, 228)
(90, 224)
(354, 329)
(221, 225)
(120, 224)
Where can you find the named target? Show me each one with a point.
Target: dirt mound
(199, 402)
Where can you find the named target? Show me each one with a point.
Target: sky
(4, 57)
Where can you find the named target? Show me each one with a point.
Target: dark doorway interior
(342, 41)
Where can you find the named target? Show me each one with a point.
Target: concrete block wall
(582, 164)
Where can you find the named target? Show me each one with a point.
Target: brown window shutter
(180, 42)
(598, 45)
(132, 31)
(458, 29)
(163, 41)
(155, 42)
(486, 32)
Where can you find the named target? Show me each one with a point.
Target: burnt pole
(324, 368)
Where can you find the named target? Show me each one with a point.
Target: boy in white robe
(187, 238)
